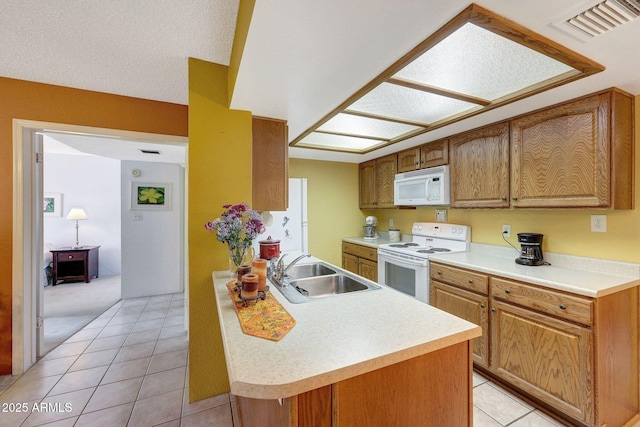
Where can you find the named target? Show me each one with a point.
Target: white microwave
(422, 187)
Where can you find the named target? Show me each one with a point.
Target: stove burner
(441, 250)
(426, 251)
(399, 245)
(411, 244)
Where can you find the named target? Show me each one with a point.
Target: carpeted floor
(68, 307)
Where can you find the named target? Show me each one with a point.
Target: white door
(38, 255)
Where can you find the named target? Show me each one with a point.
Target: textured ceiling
(137, 48)
(301, 60)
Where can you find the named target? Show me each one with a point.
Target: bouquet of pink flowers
(238, 226)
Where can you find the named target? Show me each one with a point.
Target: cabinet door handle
(514, 198)
(563, 307)
(470, 280)
(507, 291)
(70, 256)
(481, 305)
(503, 198)
(439, 272)
(417, 164)
(493, 310)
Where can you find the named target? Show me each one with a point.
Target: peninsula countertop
(578, 281)
(334, 338)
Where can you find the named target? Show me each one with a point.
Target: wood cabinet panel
(425, 391)
(350, 263)
(560, 156)
(368, 269)
(470, 280)
(360, 251)
(409, 160)
(270, 153)
(435, 153)
(479, 161)
(386, 168)
(376, 182)
(361, 260)
(547, 301)
(429, 155)
(547, 358)
(469, 306)
(368, 197)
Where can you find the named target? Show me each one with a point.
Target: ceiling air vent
(605, 16)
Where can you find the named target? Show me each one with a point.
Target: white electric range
(404, 266)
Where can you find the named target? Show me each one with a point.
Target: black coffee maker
(530, 249)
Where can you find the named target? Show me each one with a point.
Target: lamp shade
(77, 213)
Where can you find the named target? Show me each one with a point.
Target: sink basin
(324, 286)
(302, 271)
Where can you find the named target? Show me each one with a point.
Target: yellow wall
(332, 205)
(219, 173)
(565, 231)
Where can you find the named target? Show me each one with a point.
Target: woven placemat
(266, 318)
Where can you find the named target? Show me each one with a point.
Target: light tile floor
(129, 368)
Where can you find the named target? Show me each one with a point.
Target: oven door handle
(402, 260)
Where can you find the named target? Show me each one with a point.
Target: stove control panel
(438, 229)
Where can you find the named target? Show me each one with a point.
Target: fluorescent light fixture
(477, 62)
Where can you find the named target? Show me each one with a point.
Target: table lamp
(77, 214)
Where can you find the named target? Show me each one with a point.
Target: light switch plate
(441, 215)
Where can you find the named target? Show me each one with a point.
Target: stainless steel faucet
(280, 270)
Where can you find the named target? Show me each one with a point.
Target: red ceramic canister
(269, 248)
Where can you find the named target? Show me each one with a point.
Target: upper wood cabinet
(376, 182)
(479, 162)
(428, 155)
(270, 179)
(577, 154)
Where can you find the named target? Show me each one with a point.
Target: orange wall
(41, 102)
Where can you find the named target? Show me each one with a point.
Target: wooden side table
(75, 264)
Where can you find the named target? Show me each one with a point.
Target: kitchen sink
(301, 271)
(311, 282)
(324, 286)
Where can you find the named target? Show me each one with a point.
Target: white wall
(152, 240)
(93, 184)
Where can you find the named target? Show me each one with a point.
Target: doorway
(27, 227)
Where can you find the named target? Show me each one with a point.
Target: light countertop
(578, 281)
(335, 338)
(383, 239)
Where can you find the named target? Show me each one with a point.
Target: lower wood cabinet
(548, 358)
(361, 260)
(469, 306)
(576, 356)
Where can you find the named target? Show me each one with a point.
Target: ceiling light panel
(477, 62)
(408, 104)
(339, 142)
(480, 63)
(365, 126)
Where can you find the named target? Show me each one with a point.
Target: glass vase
(239, 254)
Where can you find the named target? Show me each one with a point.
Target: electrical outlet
(506, 230)
(599, 223)
(441, 215)
(137, 216)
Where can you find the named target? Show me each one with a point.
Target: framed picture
(52, 204)
(150, 196)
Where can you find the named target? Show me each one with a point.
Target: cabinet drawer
(550, 302)
(465, 279)
(70, 256)
(360, 251)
